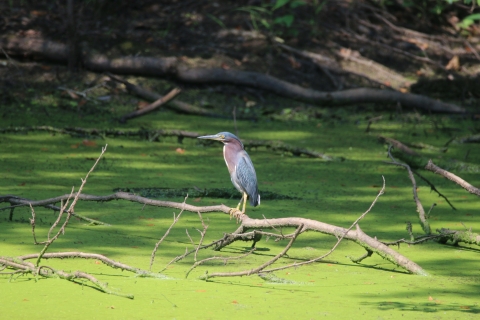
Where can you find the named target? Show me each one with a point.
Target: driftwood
(173, 68)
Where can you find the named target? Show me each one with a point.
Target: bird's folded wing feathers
(247, 176)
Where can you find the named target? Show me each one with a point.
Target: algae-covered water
(41, 165)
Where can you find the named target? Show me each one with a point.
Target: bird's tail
(255, 200)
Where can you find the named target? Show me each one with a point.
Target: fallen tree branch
(175, 105)
(115, 196)
(357, 236)
(107, 261)
(259, 268)
(398, 145)
(63, 209)
(469, 139)
(19, 265)
(172, 67)
(354, 62)
(304, 225)
(421, 211)
(450, 176)
(151, 106)
(456, 237)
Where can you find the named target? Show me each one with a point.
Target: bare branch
(450, 176)
(202, 233)
(175, 220)
(421, 211)
(116, 196)
(381, 192)
(69, 211)
(151, 106)
(259, 268)
(224, 259)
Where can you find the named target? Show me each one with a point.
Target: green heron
(240, 167)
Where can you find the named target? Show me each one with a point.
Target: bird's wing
(248, 178)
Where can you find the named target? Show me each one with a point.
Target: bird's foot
(237, 213)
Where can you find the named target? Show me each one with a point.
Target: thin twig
(420, 209)
(188, 235)
(70, 209)
(259, 268)
(433, 188)
(202, 233)
(225, 260)
(32, 223)
(175, 220)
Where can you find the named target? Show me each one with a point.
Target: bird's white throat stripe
(224, 158)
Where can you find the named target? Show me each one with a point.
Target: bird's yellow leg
(236, 212)
(238, 206)
(237, 209)
(244, 202)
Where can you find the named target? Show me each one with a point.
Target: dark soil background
(420, 42)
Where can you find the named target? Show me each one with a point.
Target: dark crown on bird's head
(228, 137)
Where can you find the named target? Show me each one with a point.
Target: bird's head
(224, 137)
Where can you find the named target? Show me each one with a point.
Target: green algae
(40, 165)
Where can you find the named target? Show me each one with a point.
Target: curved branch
(357, 236)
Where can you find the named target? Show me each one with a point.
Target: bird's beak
(212, 137)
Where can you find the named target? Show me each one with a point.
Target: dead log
(175, 69)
